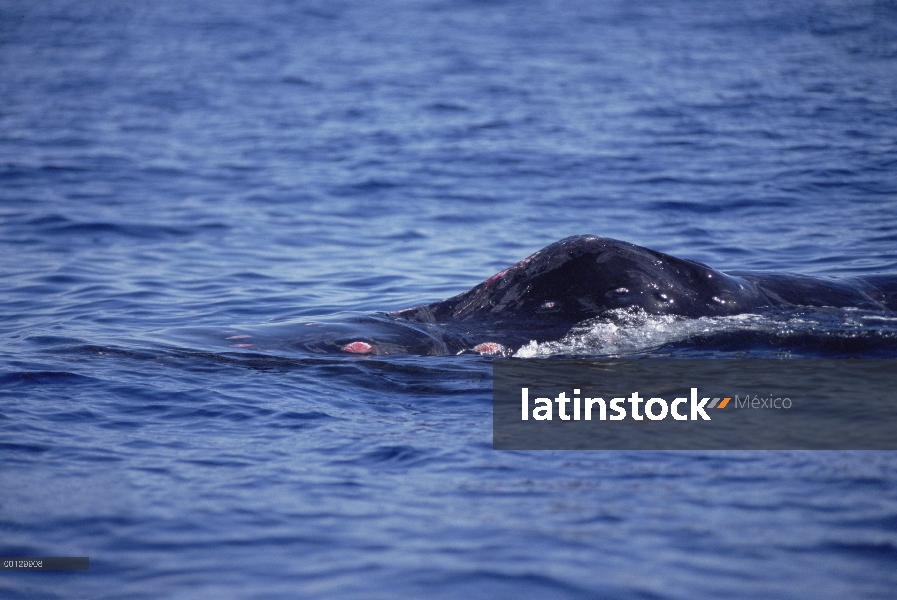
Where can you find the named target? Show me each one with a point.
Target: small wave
(624, 332)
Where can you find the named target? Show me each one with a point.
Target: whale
(542, 297)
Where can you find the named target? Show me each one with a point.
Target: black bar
(772, 404)
(45, 563)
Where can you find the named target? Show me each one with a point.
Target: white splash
(624, 332)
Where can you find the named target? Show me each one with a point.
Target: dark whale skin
(582, 277)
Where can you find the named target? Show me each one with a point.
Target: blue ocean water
(175, 173)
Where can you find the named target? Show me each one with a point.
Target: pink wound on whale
(496, 277)
(358, 348)
(490, 348)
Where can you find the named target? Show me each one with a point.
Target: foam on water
(625, 332)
